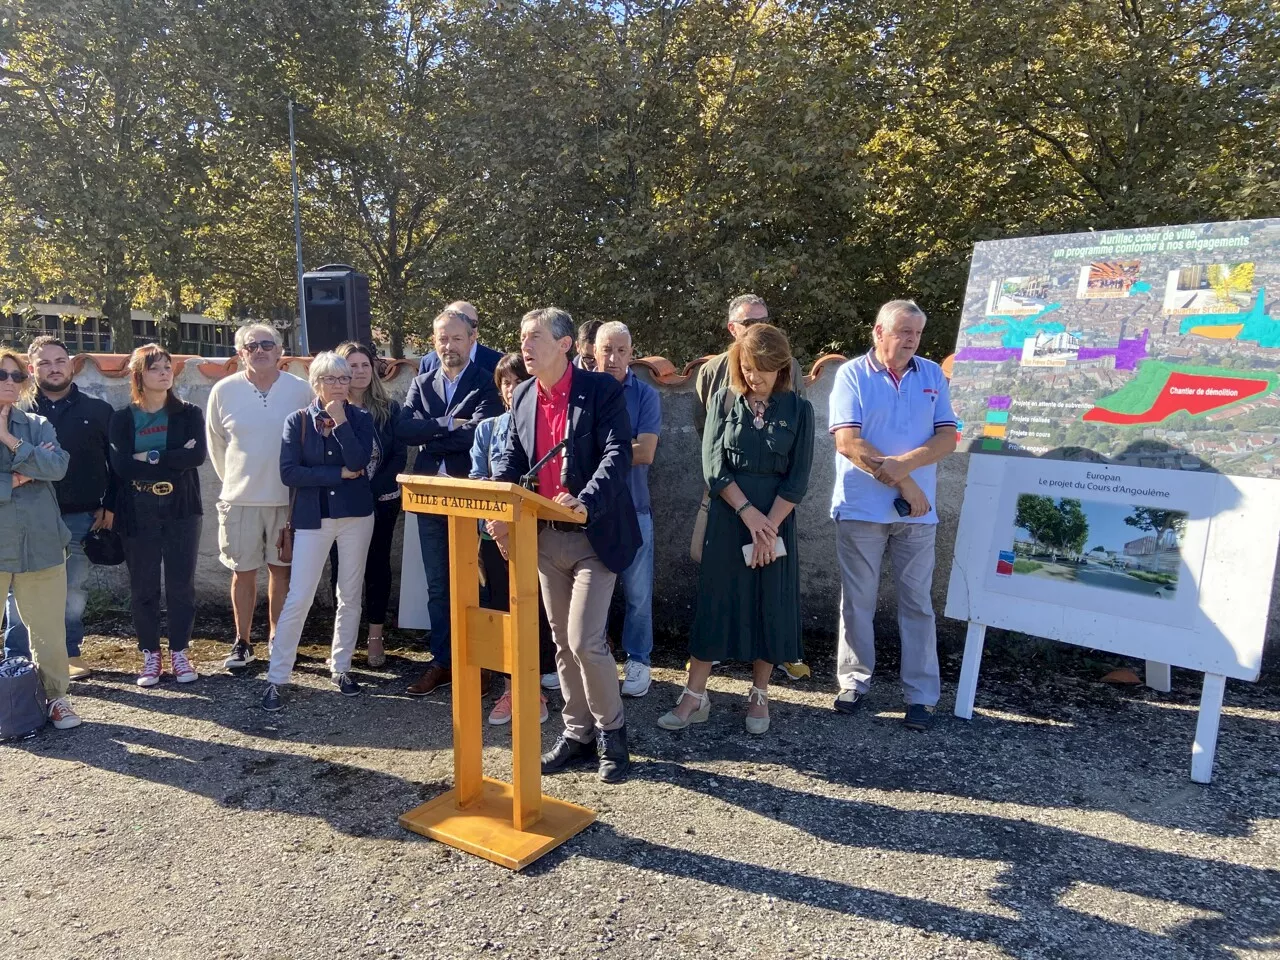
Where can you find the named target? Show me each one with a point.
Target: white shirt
(243, 428)
(450, 389)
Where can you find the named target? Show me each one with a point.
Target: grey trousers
(576, 590)
(860, 547)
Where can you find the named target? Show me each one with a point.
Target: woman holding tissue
(756, 452)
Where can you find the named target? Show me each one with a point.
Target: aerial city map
(1148, 348)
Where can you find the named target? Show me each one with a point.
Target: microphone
(530, 480)
(568, 450)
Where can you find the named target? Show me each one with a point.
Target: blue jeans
(637, 587)
(433, 537)
(16, 641)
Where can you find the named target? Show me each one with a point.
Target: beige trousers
(41, 596)
(576, 590)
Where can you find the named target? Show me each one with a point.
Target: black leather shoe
(566, 753)
(615, 759)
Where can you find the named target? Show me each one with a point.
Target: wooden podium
(514, 823)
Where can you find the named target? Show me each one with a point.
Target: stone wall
(675, 484)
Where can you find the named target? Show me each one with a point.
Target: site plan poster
(1152, 348)
(1119, 392)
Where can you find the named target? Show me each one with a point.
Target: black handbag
(104, 548)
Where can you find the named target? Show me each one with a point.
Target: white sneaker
(183, 671)
(61, 714)
(550, 681)
(635, 679)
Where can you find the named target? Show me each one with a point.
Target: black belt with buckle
(161, 488)
(562, 525)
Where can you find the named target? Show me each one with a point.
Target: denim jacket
(32, 534)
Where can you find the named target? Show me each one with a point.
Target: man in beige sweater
(244, 423)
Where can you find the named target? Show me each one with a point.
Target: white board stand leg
(1215, 685)
(1159, 676)
(968, 686)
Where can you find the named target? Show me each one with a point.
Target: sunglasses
(266, 346)
(17, 376)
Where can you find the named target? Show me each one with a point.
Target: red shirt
(552, 424)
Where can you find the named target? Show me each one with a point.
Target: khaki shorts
(247, 535)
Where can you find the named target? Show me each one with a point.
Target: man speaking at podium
(579, 418)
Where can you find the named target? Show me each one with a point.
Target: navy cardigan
(312, 463)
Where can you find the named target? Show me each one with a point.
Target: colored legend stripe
(994, 430)
(992, 444)
(999, 403)
(997, 416)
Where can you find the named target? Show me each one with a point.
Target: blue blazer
(599, 459)
(475, 399)
(486, 357)
(312, 463)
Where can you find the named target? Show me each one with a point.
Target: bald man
(483, 357)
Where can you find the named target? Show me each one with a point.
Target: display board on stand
(1121, 394)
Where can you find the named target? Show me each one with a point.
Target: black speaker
(336, 300)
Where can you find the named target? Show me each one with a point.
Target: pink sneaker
(150, 674)
(501, 712)
(61, 714)
(183, 671)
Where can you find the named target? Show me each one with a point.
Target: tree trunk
(171, 325)
(117, 304)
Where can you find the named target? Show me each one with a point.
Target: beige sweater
(244, 429)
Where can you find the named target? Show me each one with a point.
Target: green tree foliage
(1157, 522)
(640, 160)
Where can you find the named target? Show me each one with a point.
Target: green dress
(746, 614)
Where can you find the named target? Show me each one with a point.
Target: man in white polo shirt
(244, 423)
(891, 415)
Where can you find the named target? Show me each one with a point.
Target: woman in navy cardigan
(323, 456)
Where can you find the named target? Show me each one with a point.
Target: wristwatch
(153, 456)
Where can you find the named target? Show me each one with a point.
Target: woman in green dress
(756, 452)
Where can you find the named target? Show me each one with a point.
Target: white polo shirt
(894, 416)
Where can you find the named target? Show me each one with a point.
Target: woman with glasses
(368, 392)
(756, 452)
(323, 456)
(157, 447)
(33, 538)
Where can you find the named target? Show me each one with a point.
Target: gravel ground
(1060, 822)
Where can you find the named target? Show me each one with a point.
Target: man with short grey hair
(577, 563)
(244, 422)
(613, 354)
(890, 412)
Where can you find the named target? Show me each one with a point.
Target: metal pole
(297, 237)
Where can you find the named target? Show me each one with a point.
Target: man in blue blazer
(577, 564)
(486, 358)
(440, 415)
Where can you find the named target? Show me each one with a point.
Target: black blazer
(476, 399)
(599, 459)
(178, 464)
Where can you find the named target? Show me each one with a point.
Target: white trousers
(310, 551)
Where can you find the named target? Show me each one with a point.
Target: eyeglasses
(266, 346)
(331, 381)
(17, 376)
